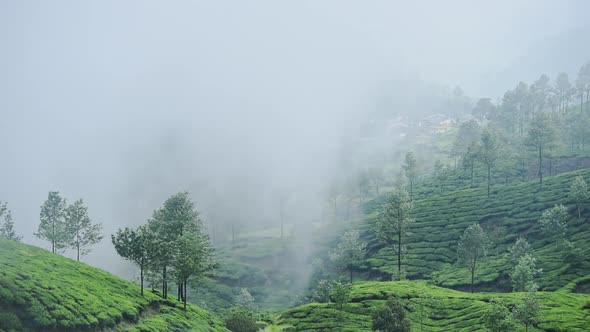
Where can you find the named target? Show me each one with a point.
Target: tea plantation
(433, 308)
(40, 291)
(511, 211)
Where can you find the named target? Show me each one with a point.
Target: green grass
(511, 211)
(40, 291)
(445, 309)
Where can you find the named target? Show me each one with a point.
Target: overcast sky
(123, 103)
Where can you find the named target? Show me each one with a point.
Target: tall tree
(175, 218)
(579, 192)
(583, 84)
(520, 248)
(82, 232)
(488, 152)
(473, 246)
(53, 226)
(132, 245)
(484, 109)
(394, 224)
(340, 295)
(441, 173)
(350, 252)
(541, 136)
(468, 133)
(563, 88)
(469, 159)
(410, 168)
(6, 224)
(192, 259)
(524, 273)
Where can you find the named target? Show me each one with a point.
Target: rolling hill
(40, 291)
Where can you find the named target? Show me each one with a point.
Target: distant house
(436, 123)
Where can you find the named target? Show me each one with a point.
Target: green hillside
(439, 309)
(40, 291)
(511, 211)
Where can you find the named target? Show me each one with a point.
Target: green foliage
(410, 168)
(391, 317)
(554, 220)
(51, 293)
(520, 248)
(350, 252)
(80, 229)
(53, 225)
(450, 310)
(340, 294)
(6, 224)
(525, 271)
(498, 317)
(321, 293)
(579, 192)
(488, 152)
(528, 312)
(473, 246)
(394, 223)
(238, 319)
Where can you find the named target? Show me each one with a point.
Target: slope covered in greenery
(40, 291)
(437, 309)
(512, 210)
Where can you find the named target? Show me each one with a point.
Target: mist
(126, 103)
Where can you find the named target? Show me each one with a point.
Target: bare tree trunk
(540, 166)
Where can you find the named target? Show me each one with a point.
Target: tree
(176, 217)
(484, 109)
(238, 319)
(579, 192)
(53, 226)
(468, 133)
(488, 152)
(441, 173)
(321, 293)
(541, 136)
(394, 223)
(6, 224)
(192, 258)
(470, 157)
(520, 248)
(132, 245)
(391, 317)
(497, 318)
(244, 299)
(583, 84)
(524, 273)
(554, 220)
(410, 168)
(563, 88)
(340, 294)
(350, 252)
(82, 232)
(473, 246)
(528, 312)
(375, 177)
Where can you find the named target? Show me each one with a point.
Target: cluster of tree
(6, 224)
(391, 317)
(475, 243)
(67, 225)
(172, 245)
(500, 318)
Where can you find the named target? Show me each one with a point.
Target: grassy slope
(512, 210)
(446, 309)
(43, 291)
